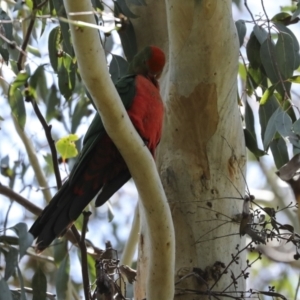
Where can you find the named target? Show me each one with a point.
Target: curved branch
(6, 191)
(33, 160)
(154, 204)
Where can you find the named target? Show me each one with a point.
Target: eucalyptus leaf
(118, 67)
(128, 40)
(253, 51)
(62, 279)
(284, 29)
(260, 33)
(284, 51)
(7, 25)
(39, 285)
(11, 260)
(267, 94)
(241, 30)
(279, 151)
(16, 102)
(251, 144)
(270, 129)
(53, 42)
(5, 293)
(25, 238)
(269, 60)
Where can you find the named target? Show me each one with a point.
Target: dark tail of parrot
(66, 207)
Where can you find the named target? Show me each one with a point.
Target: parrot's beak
(153, 78)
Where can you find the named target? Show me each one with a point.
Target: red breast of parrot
(100, 166)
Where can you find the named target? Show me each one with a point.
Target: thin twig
(83, 250)
(247, 7)
(20, 63)
(47, 129)
(234, 257)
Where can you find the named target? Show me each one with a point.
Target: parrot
(100, 170)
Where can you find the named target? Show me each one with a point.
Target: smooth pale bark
(157, 217)
(198, 168)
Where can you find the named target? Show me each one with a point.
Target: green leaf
(52, 102)
(281, 17)
(20, 81)
(265, 113)
(267, 94)
(7, 28)
(284, 51)
(64, 27)
(17, 106)
(66, 76)
(5, 293)
(269, 61)
(241, 30)
(254, 79)
(49, 161)
(253, 51)
(5, 54)
(251, 144)
(260, 33)
(294, 79)
(36, 77)
(39, 285)
(63, 82)
(60, 246)
(118, 67)
(25, 238)
(128, 40)
(66, 146)
(91, 268)
(242, 71)
(62, 278)
(11, 260)
(283, 123)
(53, 42)
(34, 51)
(284, 29)
(249, 119)
(296, 127)
(296, 12)
(80, 111)
(270, 129)
(279, 151)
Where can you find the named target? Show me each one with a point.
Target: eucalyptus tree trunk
(201, 156)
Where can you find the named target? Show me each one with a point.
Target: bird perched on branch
(100, 166)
